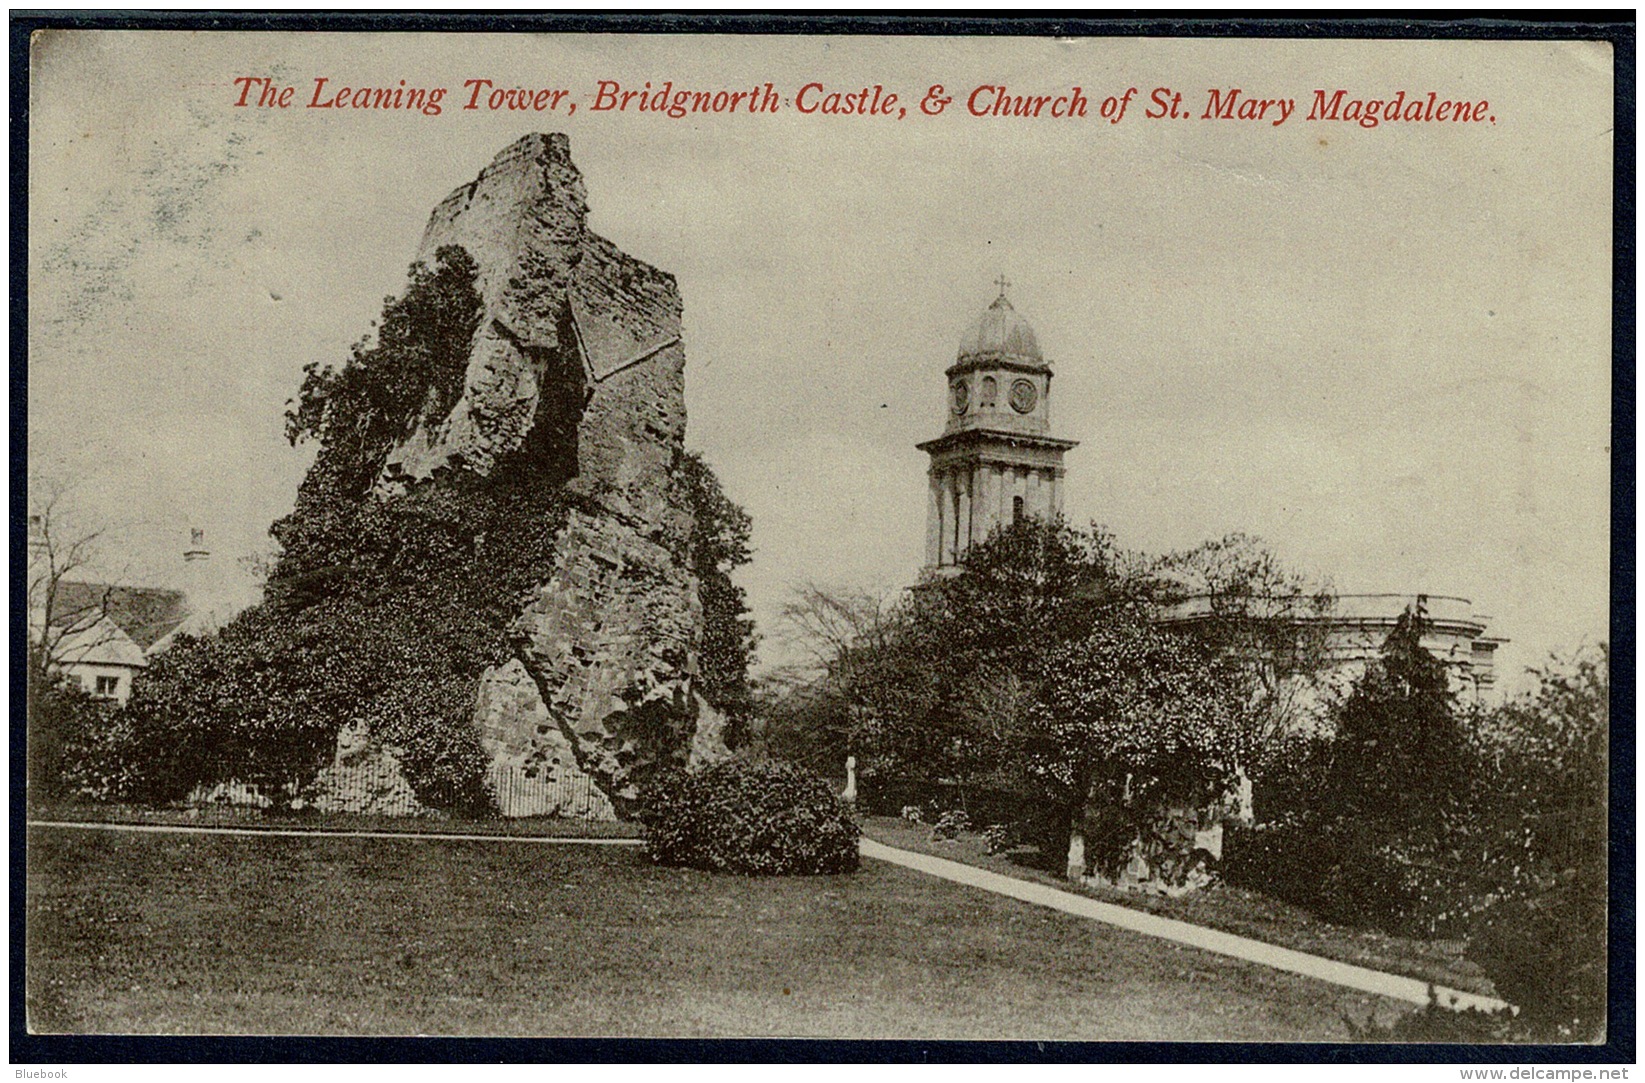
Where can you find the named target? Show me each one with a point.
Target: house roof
(99, 642)
(145, 614)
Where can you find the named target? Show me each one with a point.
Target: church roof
(1001, 332)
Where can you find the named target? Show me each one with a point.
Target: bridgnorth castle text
(984, 101)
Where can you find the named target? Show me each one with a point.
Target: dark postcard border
(1580, 25)
(1618, 28)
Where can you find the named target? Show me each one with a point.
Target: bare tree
(66, 609)
(825, 625)
(820, 700)
(1269, 618)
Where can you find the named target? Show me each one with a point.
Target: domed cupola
(1000, 334)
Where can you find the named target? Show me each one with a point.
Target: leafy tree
(1028, 586)
(953, 684)
(1244, 602)
(1535, 848)
(1401, 755)
(385, 609)
(1135, 719)
(871, 689)
(984, 631)
(931, 690)
(1390, 840)
(1041, 669)
(1539, 838)
(1550, 746)
(719, 545)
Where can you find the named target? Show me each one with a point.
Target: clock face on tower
(962, 397)
(1023, 396)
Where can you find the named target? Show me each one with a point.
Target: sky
(1385, 351)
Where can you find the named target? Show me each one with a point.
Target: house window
(1016, 509)
(106, 686)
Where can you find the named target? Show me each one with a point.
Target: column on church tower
(1002, 492)
(1056, 493)
(987, 503)
(933, 522)
(1037, 494)
(945, 502)
(964, 532)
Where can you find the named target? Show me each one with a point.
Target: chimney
(198, 586)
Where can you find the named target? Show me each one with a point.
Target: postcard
(927, 537)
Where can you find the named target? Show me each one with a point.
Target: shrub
(750, 816)
(950, 825)
(1264, 858)
(1349, 875)
(1436, 1023)
(75, 742)
(1546, 954)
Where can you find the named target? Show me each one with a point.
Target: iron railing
(367, 788)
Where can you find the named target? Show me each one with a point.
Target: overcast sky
(1386, 351)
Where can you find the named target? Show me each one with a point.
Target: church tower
(996, 461)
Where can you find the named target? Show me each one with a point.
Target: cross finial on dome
(1003, 283)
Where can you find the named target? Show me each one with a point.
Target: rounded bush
(756, 817)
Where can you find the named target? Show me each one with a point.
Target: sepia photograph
(954, 538)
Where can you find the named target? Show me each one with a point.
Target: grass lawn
(247, 817)
(162, 934)
(1221, 906)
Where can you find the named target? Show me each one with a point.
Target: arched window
(990, 388)
(1016, 509)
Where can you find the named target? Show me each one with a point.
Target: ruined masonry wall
(633, 428)
(523, 221)
(617, 621)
